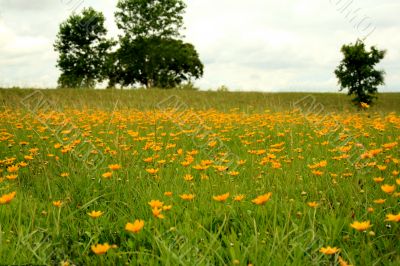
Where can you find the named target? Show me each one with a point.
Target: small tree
(82, 48)
(356, 71)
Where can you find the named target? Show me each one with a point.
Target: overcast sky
(263, 45)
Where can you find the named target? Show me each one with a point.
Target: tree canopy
(357, 73)
(82, 46)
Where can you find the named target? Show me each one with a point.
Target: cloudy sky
(263, 45)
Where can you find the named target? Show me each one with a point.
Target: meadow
(167, 177)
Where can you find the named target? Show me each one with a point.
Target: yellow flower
(222, 197)
(7, 198)
(12, 169)
(107, 175)
(95, 214)
(388, 189)
(101, 249)
(260, 200)
(329, 250)
(114, 167)
(342, 262)
(152, 171)
(393, 217)
(361, 226)
(239, 197)
(155, 204)
(168, 193)
(187, 196)
(157, 213)
(379, 179)
(313, 204)
(188, 177)
(398, 181)
(11, 177)
(136, 227)
(57, 203)
(379, 201)
(167, 207)
(233, 173)
(64, 174)
(364, 105)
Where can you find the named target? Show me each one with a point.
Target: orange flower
(313, 204)
(167, 207)
(398, 181)
(101, 249)
(11, 177)
(379, 179)
(136, 227)
(152, 171)
(393, 217)
(187, 196)
(379, 201)
(329, 250)
(361, 226)
(95, 214)
(157, 213)
(114, 167)
(342, 262)
(188, 177)
(239, 197)
(107, 175)
(388, 189)
(57, 203)
(222, 197)
(155, 204)
(168, 193)
(260, 200)
(6, 198)
(12, 169)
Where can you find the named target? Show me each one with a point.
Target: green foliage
(151, 53)
(154, 18)
(82, 48)
(158, 62)
(356, 71)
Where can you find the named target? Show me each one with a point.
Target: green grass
(284, 231)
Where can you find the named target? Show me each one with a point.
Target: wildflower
(157, 213)
(393, 217)
(260, 200)
(95, 214)
(107, 175)
(187, 196)
(11, 177)
(152, 171)
(167, 207)
(379, 179)
(388, 189)
(381, 167)
(155, 204)
(12, 169)
(329, 250)
(114, 167)
(364, 105)
(101, 249)
(222, 197)
(168, 193)
(239, 197)
(398, 181)
(313, 204)
(379, 201)
(135, 227)
(361, 226)
(57, 203)
(317, 172)
(188, 177)
(342, 262)
(370, 210)
(7, 198)
(233, 173)
(64, 174)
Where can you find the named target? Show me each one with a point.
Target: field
(198, 178)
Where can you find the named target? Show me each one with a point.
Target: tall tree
(151, 52)
(357, 73)
(82, 46)
(150, 18)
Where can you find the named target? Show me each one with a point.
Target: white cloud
(246, 45)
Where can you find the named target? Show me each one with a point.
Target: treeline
(150, 51)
